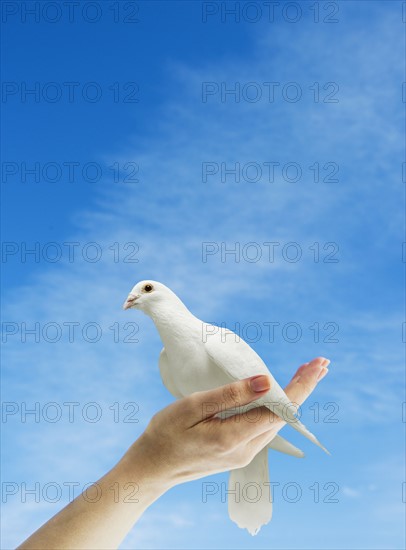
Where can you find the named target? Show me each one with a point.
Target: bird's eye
(148, 288)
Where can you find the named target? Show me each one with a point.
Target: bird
(199, 356)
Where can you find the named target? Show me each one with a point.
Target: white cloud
(350, 492)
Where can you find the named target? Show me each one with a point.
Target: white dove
(198, 356)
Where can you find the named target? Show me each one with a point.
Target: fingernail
(260, 383)
(325, 363)
(322, 374)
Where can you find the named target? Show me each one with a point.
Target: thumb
(209, 403)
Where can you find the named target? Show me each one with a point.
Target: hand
(186, 440)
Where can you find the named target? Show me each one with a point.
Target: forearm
(103, 517)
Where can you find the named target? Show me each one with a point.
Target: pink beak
(130, 301)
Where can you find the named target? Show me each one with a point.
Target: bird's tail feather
(249, 496)
(280, 405)
(280, 444)
(300, 427)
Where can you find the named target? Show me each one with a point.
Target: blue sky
(169, 135)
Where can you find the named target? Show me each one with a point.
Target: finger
(206, 404)
(249, 424)
(298, 390)
(306, 379)
(258, 430)
(301, 386)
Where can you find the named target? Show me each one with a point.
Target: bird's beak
(130, 301)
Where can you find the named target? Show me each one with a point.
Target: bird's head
(147, 295)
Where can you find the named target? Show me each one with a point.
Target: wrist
(140, 466)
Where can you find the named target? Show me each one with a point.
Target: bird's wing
(280, 444)
(166, 374)
(235, 357)
(232, 354)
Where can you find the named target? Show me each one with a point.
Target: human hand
(186, 440)
(182, 442)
